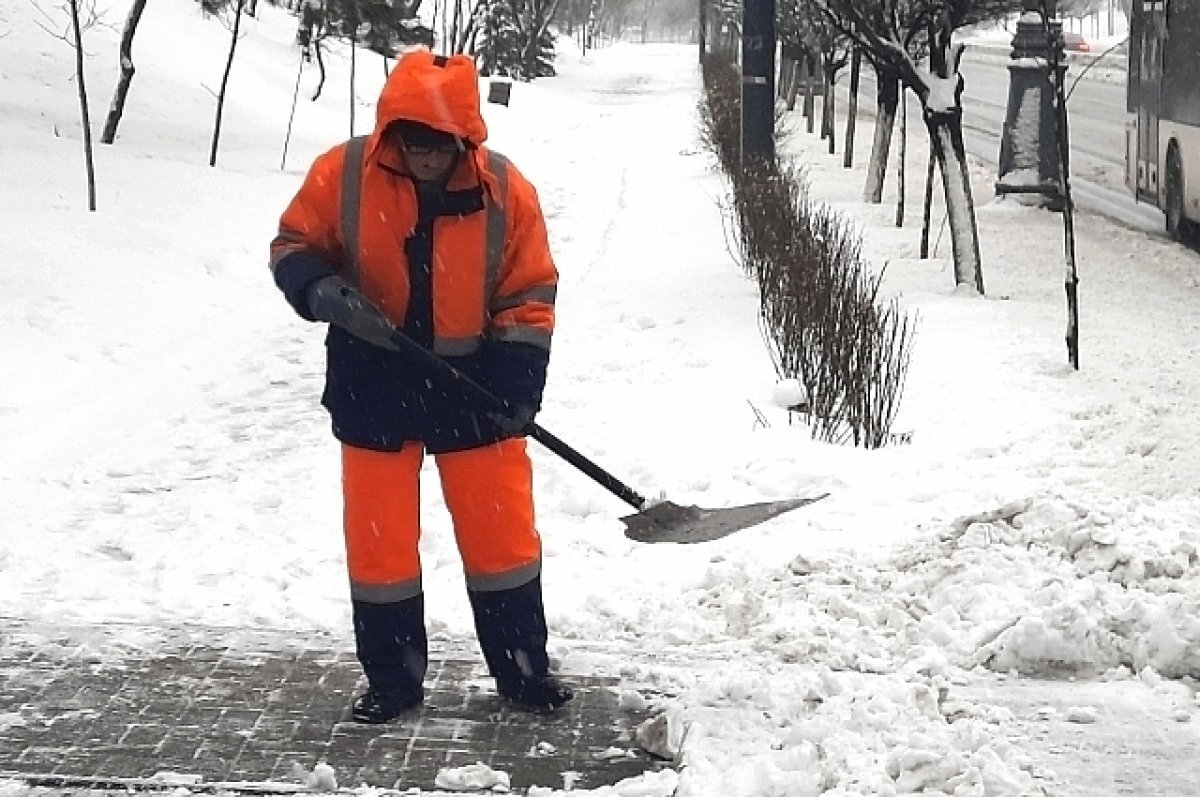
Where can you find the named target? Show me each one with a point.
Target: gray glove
(332, 299)
(517, 421)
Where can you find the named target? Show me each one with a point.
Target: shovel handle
(597, 473)
(602, 477)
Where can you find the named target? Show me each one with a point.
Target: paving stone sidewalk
(115, 706)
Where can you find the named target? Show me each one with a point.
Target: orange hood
(439, 91)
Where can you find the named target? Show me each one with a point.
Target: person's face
(429, 163)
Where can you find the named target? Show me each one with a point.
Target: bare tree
(314, 29)
(533, 23)
(234, 26)
(304, 56)
(897, 36)
(647, 12)
(381, 26)
(835, 54)
(118, 104)
(81, 16)
(460, 23)
(612, 16)
(817, 40)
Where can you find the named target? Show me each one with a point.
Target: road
(1096, 118)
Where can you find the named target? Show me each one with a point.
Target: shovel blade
(669, 522)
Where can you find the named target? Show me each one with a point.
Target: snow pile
(806, 732)
(473, 777)
(860, 667)
(1047, 587)
(323, 778)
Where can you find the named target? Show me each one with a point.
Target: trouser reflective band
(488, 491)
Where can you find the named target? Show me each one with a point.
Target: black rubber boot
(511, 626)
(375, 708)
(394, 653)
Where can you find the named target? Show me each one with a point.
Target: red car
(1075, 42)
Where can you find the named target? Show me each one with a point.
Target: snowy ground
(166, 462)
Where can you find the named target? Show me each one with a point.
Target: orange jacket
(495, 312)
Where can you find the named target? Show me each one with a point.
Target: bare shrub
(822, 317)
(721, 113)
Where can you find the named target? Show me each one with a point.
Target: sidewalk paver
(91, 706)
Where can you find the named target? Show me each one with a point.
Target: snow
(943, 91)
(471, 778)
(165, 460)
(322, 778)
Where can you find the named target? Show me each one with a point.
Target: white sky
(165, 459)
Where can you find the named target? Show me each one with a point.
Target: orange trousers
(489, 493)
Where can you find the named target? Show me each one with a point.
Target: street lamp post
(1029, 155)
(758, 79)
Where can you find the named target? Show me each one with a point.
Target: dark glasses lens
(445, 149)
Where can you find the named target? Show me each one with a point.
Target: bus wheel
(1178, 226)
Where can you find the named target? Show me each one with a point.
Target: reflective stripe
(352, 167)
(456, 347)
(521, 334)
(546, 294)
(285, 237)
(497, 224)
(385, 593)
(496, 235)
(281, 248)
(511, 579)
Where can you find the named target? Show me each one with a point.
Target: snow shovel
(655, 521)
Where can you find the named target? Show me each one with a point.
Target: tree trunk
(828, 110)
(945, 133)
(320, 70)
(353, 64)
(85, 117)
(902, 158)
(810, 111)
(467, 36)
(852, 109)
(292, 115)
(793, 89)
(927, 205)
(455, 34)
(886, 99)
(233, 40)
(529, 57)
(109, 135)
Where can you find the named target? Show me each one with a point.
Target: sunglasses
(444, 150)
